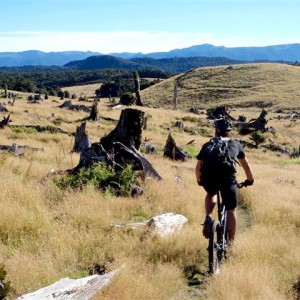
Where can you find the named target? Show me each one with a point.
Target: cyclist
(225, 182)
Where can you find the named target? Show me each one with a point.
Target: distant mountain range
(170, 65)
(287, 52)
(40, 58)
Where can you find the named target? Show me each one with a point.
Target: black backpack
(216, 159)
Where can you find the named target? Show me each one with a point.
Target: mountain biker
(225, 182)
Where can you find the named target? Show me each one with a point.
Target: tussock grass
(51, 233)
(139, 280)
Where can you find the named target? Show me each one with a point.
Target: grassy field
(47, 233)
(260, 85)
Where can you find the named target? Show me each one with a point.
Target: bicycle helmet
(223, 125)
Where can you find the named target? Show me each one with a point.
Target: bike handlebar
(245, 183)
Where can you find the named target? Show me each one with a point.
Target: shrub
(67, 94)
(60, 94)
(127, 99)
(103, 177)
(295, 153)
(5, 285)
(257, 137)
(22, 129)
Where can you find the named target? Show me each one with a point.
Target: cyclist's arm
(247, 168)
(198, 170)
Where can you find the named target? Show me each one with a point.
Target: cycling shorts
(228, 192)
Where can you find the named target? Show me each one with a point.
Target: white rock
(75, 289)
(166, 224)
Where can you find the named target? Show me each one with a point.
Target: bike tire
(214, 248)
(225, 238)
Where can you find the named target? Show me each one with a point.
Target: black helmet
(223, 125)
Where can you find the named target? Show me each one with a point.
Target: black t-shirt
(235, 151)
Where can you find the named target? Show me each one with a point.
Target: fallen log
(258, 124)
(68, 104)
(124, 155)
(67, 289)
(40, 128)
(15, 148)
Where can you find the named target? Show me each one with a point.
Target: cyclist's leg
(231, 224)
(210, 203)
(230, 199)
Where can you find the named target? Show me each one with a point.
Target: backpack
(216, 159)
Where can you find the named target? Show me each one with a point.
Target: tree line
(50, 80)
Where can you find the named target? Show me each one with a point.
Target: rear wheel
(214, 248)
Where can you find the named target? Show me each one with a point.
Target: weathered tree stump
(120, 147)
(179, 124)
(136, 79)
(128, 130)
(82, 140)
(94, 154)
(5, 121)
(3, 107)
(94, 111)
(175, 95)
(220, 112)
(172, 151)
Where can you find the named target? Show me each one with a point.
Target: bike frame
(222, 216)
(218, 239)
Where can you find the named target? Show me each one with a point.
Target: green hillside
(243, 85)
(173, 65)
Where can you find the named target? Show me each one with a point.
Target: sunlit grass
(51, 233)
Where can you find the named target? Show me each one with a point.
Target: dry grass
(87, 90)
(51, 233)
(248, 85)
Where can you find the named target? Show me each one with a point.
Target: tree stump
(172, 151)
(120, 147)
(94, 154)
(128, 130)
(94, 112)
(5, 121)
(136, 79)
(220, 112)
(3, 108)
(82, 140)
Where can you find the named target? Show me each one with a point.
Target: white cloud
(104, 42)
(121, 41)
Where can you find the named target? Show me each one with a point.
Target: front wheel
(215, 248)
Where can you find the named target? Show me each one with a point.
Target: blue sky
(145, 26)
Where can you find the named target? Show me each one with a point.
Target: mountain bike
(219, 239)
